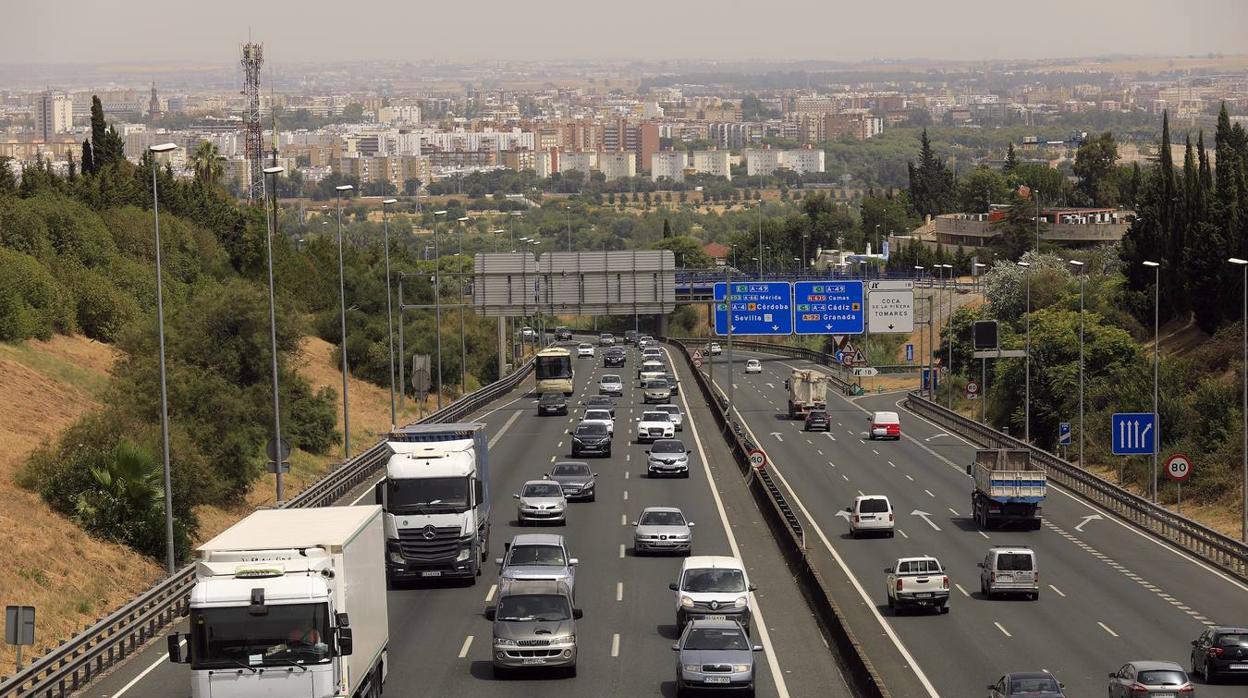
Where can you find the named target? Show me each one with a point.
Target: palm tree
(206, 163)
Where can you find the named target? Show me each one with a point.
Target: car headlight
(686, 602)
(464, 554)
(563, 640)
(504, 642)
(741, 602)
(691, 667)
(738, 668)
(396, 557)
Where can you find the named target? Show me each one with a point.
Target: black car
(591, 438)
(563, 334)
(1033, 684)
(630, 336)
(1219, 652)
(673, 383)
(817, 420)
(600, 402)
(614, 357)
(552, 403)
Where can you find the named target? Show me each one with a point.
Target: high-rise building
(731, 136)
(670, 164)
(617, 165)
(54, 113)
(583, 161)
(153, 104)
(717, 163)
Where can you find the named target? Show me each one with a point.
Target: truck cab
(436, 500)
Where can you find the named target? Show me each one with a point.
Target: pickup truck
(917, 582)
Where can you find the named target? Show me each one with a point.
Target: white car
(649, 370)
(584, 350)
(653, 425)
(611, 384)
(651, 354)
(871, 513)
(667, 457)
(541, 500)
(753, 366)
(714, 587)
(673, 411)
(600, 416)
(715, 349)
(527, 334)
(606, 339)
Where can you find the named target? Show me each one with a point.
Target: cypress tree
(97, 133)
(1206, 175)
(73, 167)
(1011, 160)
(8, 181)
(88, 158)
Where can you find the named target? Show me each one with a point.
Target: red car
(884, 425)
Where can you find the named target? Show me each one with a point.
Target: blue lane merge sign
(828, 307)
(1133, 433)
(1063, 434)
(758, 308)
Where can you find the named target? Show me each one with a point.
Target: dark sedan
(577, 479)
(552, 403)
(1221, 652)
(817, 420)
(591, 438)
(1033, 684)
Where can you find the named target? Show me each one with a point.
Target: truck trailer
(808, 390)
(295, 597)
(1008, 487)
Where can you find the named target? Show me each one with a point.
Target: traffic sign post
(697, 362)
(1179, 468)
(758, 459)
(19, 628)
(1063, 434)
(757, 308)
(822, 307)
(890, 312)
(866, 371)
(972, 390)
(1133, 433)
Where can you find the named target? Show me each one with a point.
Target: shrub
(32, 302)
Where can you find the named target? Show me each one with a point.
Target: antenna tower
(253, 58)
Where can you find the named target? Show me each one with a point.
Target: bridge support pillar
(663, 325)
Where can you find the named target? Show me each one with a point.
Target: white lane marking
(1106, 628)
(552, 459)
(619, 591)
(625, 474)
(860, 494)
(489, 595)
(820, 451)
(615, 644)
(773, 662)
(142, 675)
(628, 457)
(559, 445)
(626, 495)
(909, 478)
(845, 476)
(929, 493)
(1058, 591)
(903, 533)
(985, 535)
(463, 651)
(952, 511)
(621, 551)
(1002, 629)
(506, 425)
(623, 519)
(959, 586)
(875, 452)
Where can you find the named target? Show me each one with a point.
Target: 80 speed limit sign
(1178, 467)
(758, 459)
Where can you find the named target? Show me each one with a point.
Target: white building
(713, 162)
(617, 165)
(583, 161)
(803, 161)
(670, 164)
(546, 162)
(763, 161)
(407, 115)
(54, 113)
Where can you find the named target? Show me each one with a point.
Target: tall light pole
(1243, 370)
(918, 270)
(437, 302)
(459, 290)
(1156, 364)
(342, 298)
(272, 173)
(569, 210)
(1079, 267)
(164, 392)
(385, 226)
(1037, 221)
(1027, 354)
(760, 235)
(949, 344)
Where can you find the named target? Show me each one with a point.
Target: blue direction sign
(758, 308)
(909, 353)
(1063, 434)
(1133, 433)
(828, 307)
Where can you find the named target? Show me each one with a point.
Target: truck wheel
(1035, 595)
(501, 672)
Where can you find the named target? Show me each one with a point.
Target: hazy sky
(209, 31)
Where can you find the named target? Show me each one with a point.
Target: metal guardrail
(76, 662)
(1220, 550)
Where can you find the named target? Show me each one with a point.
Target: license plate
(533, 660)
(715, 679)
(716, 617)
(1004, 578)
(1163, 695)
(431, 573)
(1239, 667)
(922, 596)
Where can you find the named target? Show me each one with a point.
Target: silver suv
(534, 626)
(538, 556)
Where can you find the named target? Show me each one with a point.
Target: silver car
(541, 500)
(662, 530)
(534, 626)
(538, 556)
(668, 457)
(658, 390)
(576, 478)
(715, 654)
(1144, 678)
(673, 411)
(610, 384)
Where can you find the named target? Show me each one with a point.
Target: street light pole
(459, 290)
(342, 299)
(760, 235)
(949, 325)
(1027, 389)
(437, 302)
(1156, 364)
(164, 392)
(277, 409)
(385, 226)
(1079, 267)
(1243, 370)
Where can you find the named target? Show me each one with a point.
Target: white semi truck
(289, 602)
(436, 497)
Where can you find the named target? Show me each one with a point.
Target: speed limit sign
(697, 363)
(1178, 467)
(758, 459)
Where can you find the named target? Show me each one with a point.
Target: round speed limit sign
(697, 363)
(1178, 467)
(758, 459)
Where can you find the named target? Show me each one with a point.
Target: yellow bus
(554, 371)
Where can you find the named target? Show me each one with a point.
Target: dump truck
(808, 390)
(1008, 487)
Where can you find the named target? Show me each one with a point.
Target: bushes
(32, 302)
(102, 309)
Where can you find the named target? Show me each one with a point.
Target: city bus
(554, 371)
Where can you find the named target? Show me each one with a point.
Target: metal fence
(81, 659)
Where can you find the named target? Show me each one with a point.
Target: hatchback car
(1033, 684)
(715, 654)
(602, 402)
(576, 478)
(753, 366)
(1009, 570)
(667, 457)
(540, 501)
(657, 390)
(1140, 679)
(673, 411)
(535, 556)
(884, 425)
(600, 416)
(606, 339)
(534, 626)
(662, 530)
(817, 420)
(871, 513)
(611, 384)
(552, 403)
(1221, 652)
(714, 587)
(584, 350)
(591, 437)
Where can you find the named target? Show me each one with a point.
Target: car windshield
(287, 634)
(1014, 562)
(753, 362)
(667, 447)
(434, 495)
(543, 489)
(570, 469)
(918, 567)
(584, 346)
(552, 398)
(531, 607)
(714, 581)
(591, 430)
(655, 417)
(656, 385)
(670, 409)
(1233, 640)
(610, 378)
(662, 518)
(537, 555)
(599, 400)
(598, 414)
(1033, 684)
(716, 639)
(873, 506)
(1162, 677)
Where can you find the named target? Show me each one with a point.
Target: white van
(871, 513)
(1009, 570)
(715, 587)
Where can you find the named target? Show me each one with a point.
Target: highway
(1110, 593)
(440, 640)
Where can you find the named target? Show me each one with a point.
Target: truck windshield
(233, 637)
(435, 495)
(531, 607)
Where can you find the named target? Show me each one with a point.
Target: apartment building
(617, 165)
(713, 162)
(670, 164)
(584, 161)
(54, 114)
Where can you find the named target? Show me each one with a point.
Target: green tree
(1094, 166)
(126, 501)
(982, 188)
(932, 189)
(1016, 231)
(8, 181)
(98, 132)
(88, 157)
(1011, 159)
(206, 163)
(688, 251)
